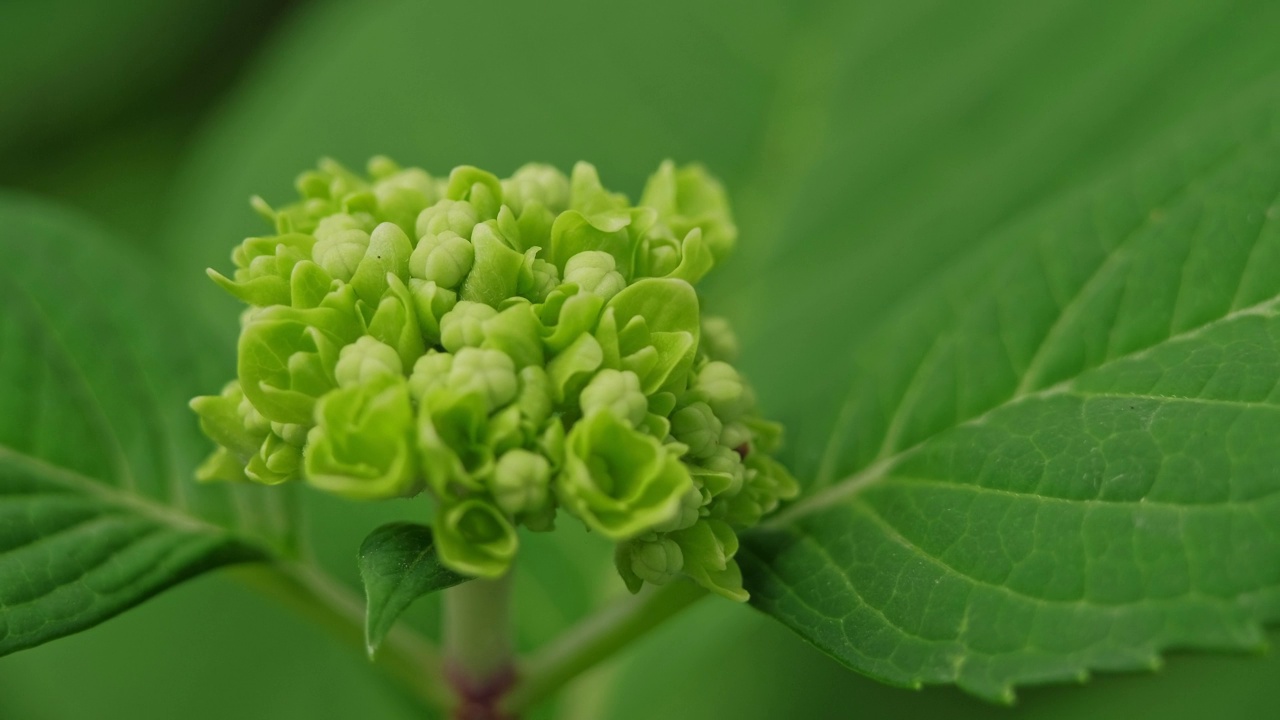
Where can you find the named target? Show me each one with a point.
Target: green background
(866, 146)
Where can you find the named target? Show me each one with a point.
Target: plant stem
(405, 656)
(478, 646)
(595, 639)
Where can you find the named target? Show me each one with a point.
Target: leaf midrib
(876, 471)
(110, 494)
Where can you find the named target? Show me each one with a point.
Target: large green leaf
(1066, 457)
(97, 508)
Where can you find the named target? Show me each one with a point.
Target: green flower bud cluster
(513, 348)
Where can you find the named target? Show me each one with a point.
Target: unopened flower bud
(519, 482)
(490, 373)
(463, 326)
(658, 561)
(698, 427)
(457, 216)
(618, 392)
(595, 272)
(444, 259)
(720, 386)
(365, 360)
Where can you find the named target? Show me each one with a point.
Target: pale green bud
(663, 259)
(340, 253)
(519, 482)
(463, 326)
(719, 342)
(293, 433)
(339, 223)
(617, 392)
(595, 272)
(366, 360)
(276, 462)
(720, 386)
(658, 561)
(490, 373)
(687, 511)
(538, 183)
(726, 461)
(698, 427)
(444, 259)
(709, 548)
(431, 371)
(231, 421)
(457, 216)
(736, 435)
(545, 279)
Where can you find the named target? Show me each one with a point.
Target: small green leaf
(398, 564)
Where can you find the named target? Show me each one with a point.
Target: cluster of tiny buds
(511, 347)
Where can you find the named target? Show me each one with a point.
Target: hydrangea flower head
(514, 348)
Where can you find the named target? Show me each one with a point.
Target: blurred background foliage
(866, 144)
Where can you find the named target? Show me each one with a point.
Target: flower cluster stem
(478, 647)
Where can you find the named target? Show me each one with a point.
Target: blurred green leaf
(95, 449)
(1068, 448)
(207, 650)
(71, 64)
(398, 564)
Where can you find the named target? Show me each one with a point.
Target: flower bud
(687, 511)
(276, 462)
(688, 198)
(366, 360)
(697, 427)
(463, 326)
(737, 435)
(431, 371)
(444, 259)
(720, 386)
(545, 279)
(489, 373)
(658, 561)
(725, 461)
(595, 272)
(519, 482)
(718, 339)
(457, 216)
(709, 547)
(538, 183)
(340, 253)
(617, 392)
(293, 433)
(231, 421)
